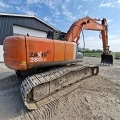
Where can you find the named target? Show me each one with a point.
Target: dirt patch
(96, 98)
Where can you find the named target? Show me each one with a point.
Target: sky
(62, 13)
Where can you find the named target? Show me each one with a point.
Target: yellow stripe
(24, 62)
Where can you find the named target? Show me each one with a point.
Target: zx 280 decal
(39, 56)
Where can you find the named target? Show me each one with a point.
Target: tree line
(87, 50)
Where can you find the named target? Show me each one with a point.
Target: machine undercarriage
(36, 88)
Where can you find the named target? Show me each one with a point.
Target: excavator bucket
(106, 59)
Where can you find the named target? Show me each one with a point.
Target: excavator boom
(88, 23)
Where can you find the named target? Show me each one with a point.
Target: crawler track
(39, 89)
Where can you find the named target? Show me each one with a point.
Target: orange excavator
(49, 64)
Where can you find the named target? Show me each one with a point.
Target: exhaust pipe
(106, 59)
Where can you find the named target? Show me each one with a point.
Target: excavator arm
(88, 23)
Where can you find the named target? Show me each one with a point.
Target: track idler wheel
(95, 70)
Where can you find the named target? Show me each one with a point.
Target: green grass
(117, 54)
(92, 54)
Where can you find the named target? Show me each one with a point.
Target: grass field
(92, 54)
(117, 54)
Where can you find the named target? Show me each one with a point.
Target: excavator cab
(106, 59)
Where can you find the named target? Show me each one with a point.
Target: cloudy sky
(62, 13)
